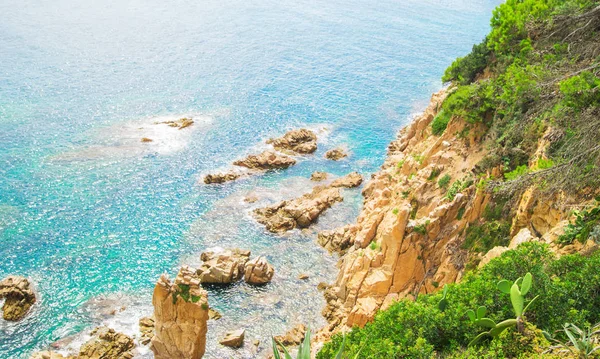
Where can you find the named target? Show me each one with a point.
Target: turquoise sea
(93, 216)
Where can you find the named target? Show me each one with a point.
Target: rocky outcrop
(18, 296)
(105, 343)
(48, 354)
(234, 339)
(336, 154)
(221, 177)
(222, 267)
(293, 337)
(180, 124)
(301, 141)
(258, 271)
(339, 239)
(351, 180)
(318, 176)
(181, 315)
(213, 314)
(146, 330)
(268, 160)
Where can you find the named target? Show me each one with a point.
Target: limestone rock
(300, 212)
(350, 180)
(318, 176)
(523, 236)
(18, 295)
(299, 141)
(146, 330)
(221, 177)
(336, 154)
(293, 337)
(234, 339)
(181, 315)
(268, 160)
(223, 267)
(258, 271)
(106, 343)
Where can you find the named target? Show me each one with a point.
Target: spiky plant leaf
(340, 352)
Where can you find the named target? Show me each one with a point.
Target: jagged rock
(303, 276)
(106, 343)
(300, 212)
(293, 337)
(146, 139)
(299, 141)
(267, 160)
(221, 177)
(223, 267)
(251, 199)
(491, 254)
(180, 124)
(18, 295)
(213, 314)
(524, 235)
(350, 180)
(48, 354)
(258, 271)
(234, 339)
(181, 315)
(337, 240)
(146, 330)
(318, 176)
(336, 154)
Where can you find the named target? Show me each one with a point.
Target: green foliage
(582, 343)
(303, 349)
(395, 211)
(457, 187)
(480, 238)
(581, 91)
(435, 172)
(518, 172)
(444, 181)
(461, 213)
(587, 223)
(422, 228)
(440, 122)
(568, 285)
(464, 69)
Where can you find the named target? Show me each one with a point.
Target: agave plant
(582, 343)
(304, 349)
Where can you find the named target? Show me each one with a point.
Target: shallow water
(93, 216)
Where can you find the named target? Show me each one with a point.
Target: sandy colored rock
(258, 271)
(181, 316)
(268, 160)
(251, 199)
(491, 254)
(293, 337)
(350, 180)
(213, 314)
(318, 176)
(233, 339)
(336, 154)
(222, 267)
(180, 124)
(221, 177)
(18, 296)
(337, 240)
(301, 141)
(303, 276)
(146, 139)
(106, 343)
(48, 354)
(146, 330)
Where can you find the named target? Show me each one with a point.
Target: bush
(444, 181)
(581, 91)
(440, 122)
(464, 69)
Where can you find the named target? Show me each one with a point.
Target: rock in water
(300, 141)
(146, 330)
(258, 271)
(48, 354)
(18, 295)
(222, 267)
(293, 337)
(180, 314)
(234, 339)
(339, 239)
(106, 343)
(350, 180)
(221, 177)
(318, 176)
(180, 124)
(213, 314)
(267, 160)
(336, 154)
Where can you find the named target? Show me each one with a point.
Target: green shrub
(444, 181)
(581, 91)
(518, 172)
(464, 69)
(440, 122)
(480, 238)
(586, 222)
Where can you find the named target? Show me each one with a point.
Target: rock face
(351, 180)
(300, 212)
(234, 339)
(258, 271)
(301, 141)
(222, 267)
(336, 154)
(221, 177)
(18, 295)
(107, 343)
(293, 337)
(318, 176)
(180, 314)
(267, 160)
(337, 240)
(146, 330)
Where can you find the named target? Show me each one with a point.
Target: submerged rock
(300, 141)
(258, 271)
(318, 176)
(221, 177)
(350, 180)
(267, 160)
(181, 316)
(106, 343)
(293, 337)
(336, 154)
(146, 330)
(234, 339)
(180, 124)
(18, 295)
(222, 267)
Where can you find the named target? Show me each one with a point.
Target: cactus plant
(443, 303)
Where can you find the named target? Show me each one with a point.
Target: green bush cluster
(464, 69)
(568, 289)
(586, 225)
(581, 91)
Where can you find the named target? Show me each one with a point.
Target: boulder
(491, 254)
(299, 141)
(318, 176)
(336, 154)
(213, 314)
(221, 177)
(106, 343)
(18, 295)
(337, 240)
(180, 124)
(222, 267)
(181, 316)
(48, 354)
(146, 330)
(268, 160)
(234, 339)
(258, 271)
(350, 180)
(293, 337)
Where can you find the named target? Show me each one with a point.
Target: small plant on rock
(581, 343)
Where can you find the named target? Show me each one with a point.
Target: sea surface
(93, 216)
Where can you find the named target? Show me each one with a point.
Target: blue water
(90, 214)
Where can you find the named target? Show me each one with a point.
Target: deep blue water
(93, 216)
